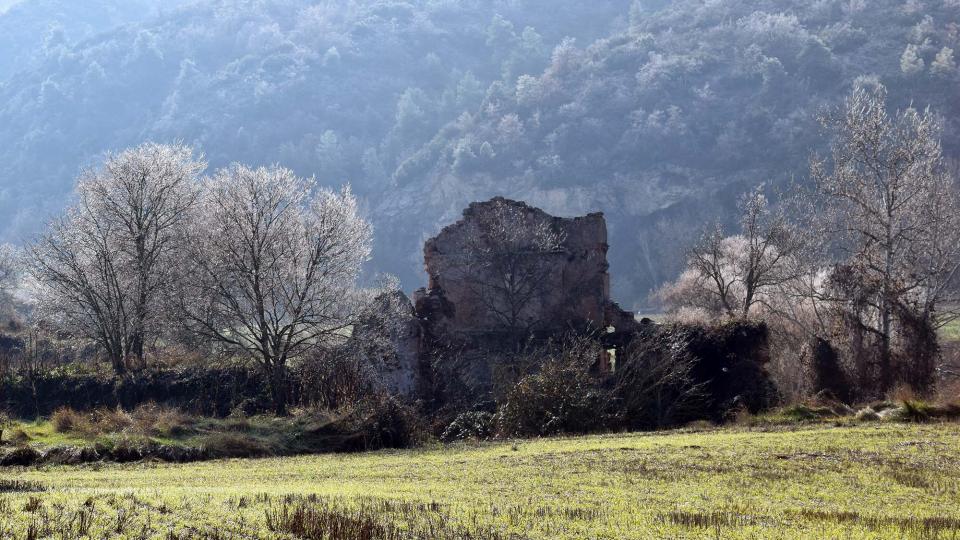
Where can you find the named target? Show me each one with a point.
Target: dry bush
(234, 445)
(333, 379)
(148, 419)
(471, 425)
(103, 421)
(655, 386)
(384, 422)
(159, 421)
(903, 393)
(5, 422)
(949, 393)
(560, 397)
(66, 420)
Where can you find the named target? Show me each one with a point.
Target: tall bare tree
(109, 264)
(9, 270)
(275, 261)
(733, 275)
(888, 199)
(10, 275)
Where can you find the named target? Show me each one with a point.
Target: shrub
(65, 420)
(477, 425)
(203, 390)
(234, 445)
(914, 411)
(730, 361)
(561, 397)
(159, 421)
(827, 373)
(390, 424)
(19, 437)
(5, 422)
(22, 456)
(654, 386)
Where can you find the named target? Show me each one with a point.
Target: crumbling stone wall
(451, 321)
(389, 338)
(576, 292)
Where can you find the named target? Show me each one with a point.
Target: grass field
(868, 481)
(951, 331)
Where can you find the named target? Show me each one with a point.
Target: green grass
(815, 482)
(951, 331)
(271, 435)
(42, 434)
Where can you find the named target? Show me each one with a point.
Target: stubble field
(859, 482)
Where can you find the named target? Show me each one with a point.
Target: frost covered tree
(274, 260)
(10, 274)
(107, 267)
(911, 63)
(944, 64)
(894, 210)
(732, 275)
(9, 270)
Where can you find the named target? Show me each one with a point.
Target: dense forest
(660, 114)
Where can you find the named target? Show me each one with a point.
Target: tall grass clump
(66, 420)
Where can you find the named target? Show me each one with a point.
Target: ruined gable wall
(578, 289)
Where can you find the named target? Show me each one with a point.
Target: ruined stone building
(507, 271)
(507, 267)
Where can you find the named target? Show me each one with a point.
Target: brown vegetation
(316, 518)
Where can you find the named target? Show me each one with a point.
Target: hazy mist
(659, 114)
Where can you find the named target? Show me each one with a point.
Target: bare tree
(9, 275)
(107, 267)
(732, 275)
(656, 386)
(506, 262)
(275, 261)
(887, 198)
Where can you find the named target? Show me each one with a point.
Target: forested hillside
(32, 29)
(658, 114)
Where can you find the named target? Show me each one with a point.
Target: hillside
(33, 29)
(343, 90)
(663, 125)
(656, 115)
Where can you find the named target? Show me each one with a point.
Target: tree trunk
(118, 362)
(886, 315)
(886, 369)
(136, 348)
(278, 389)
